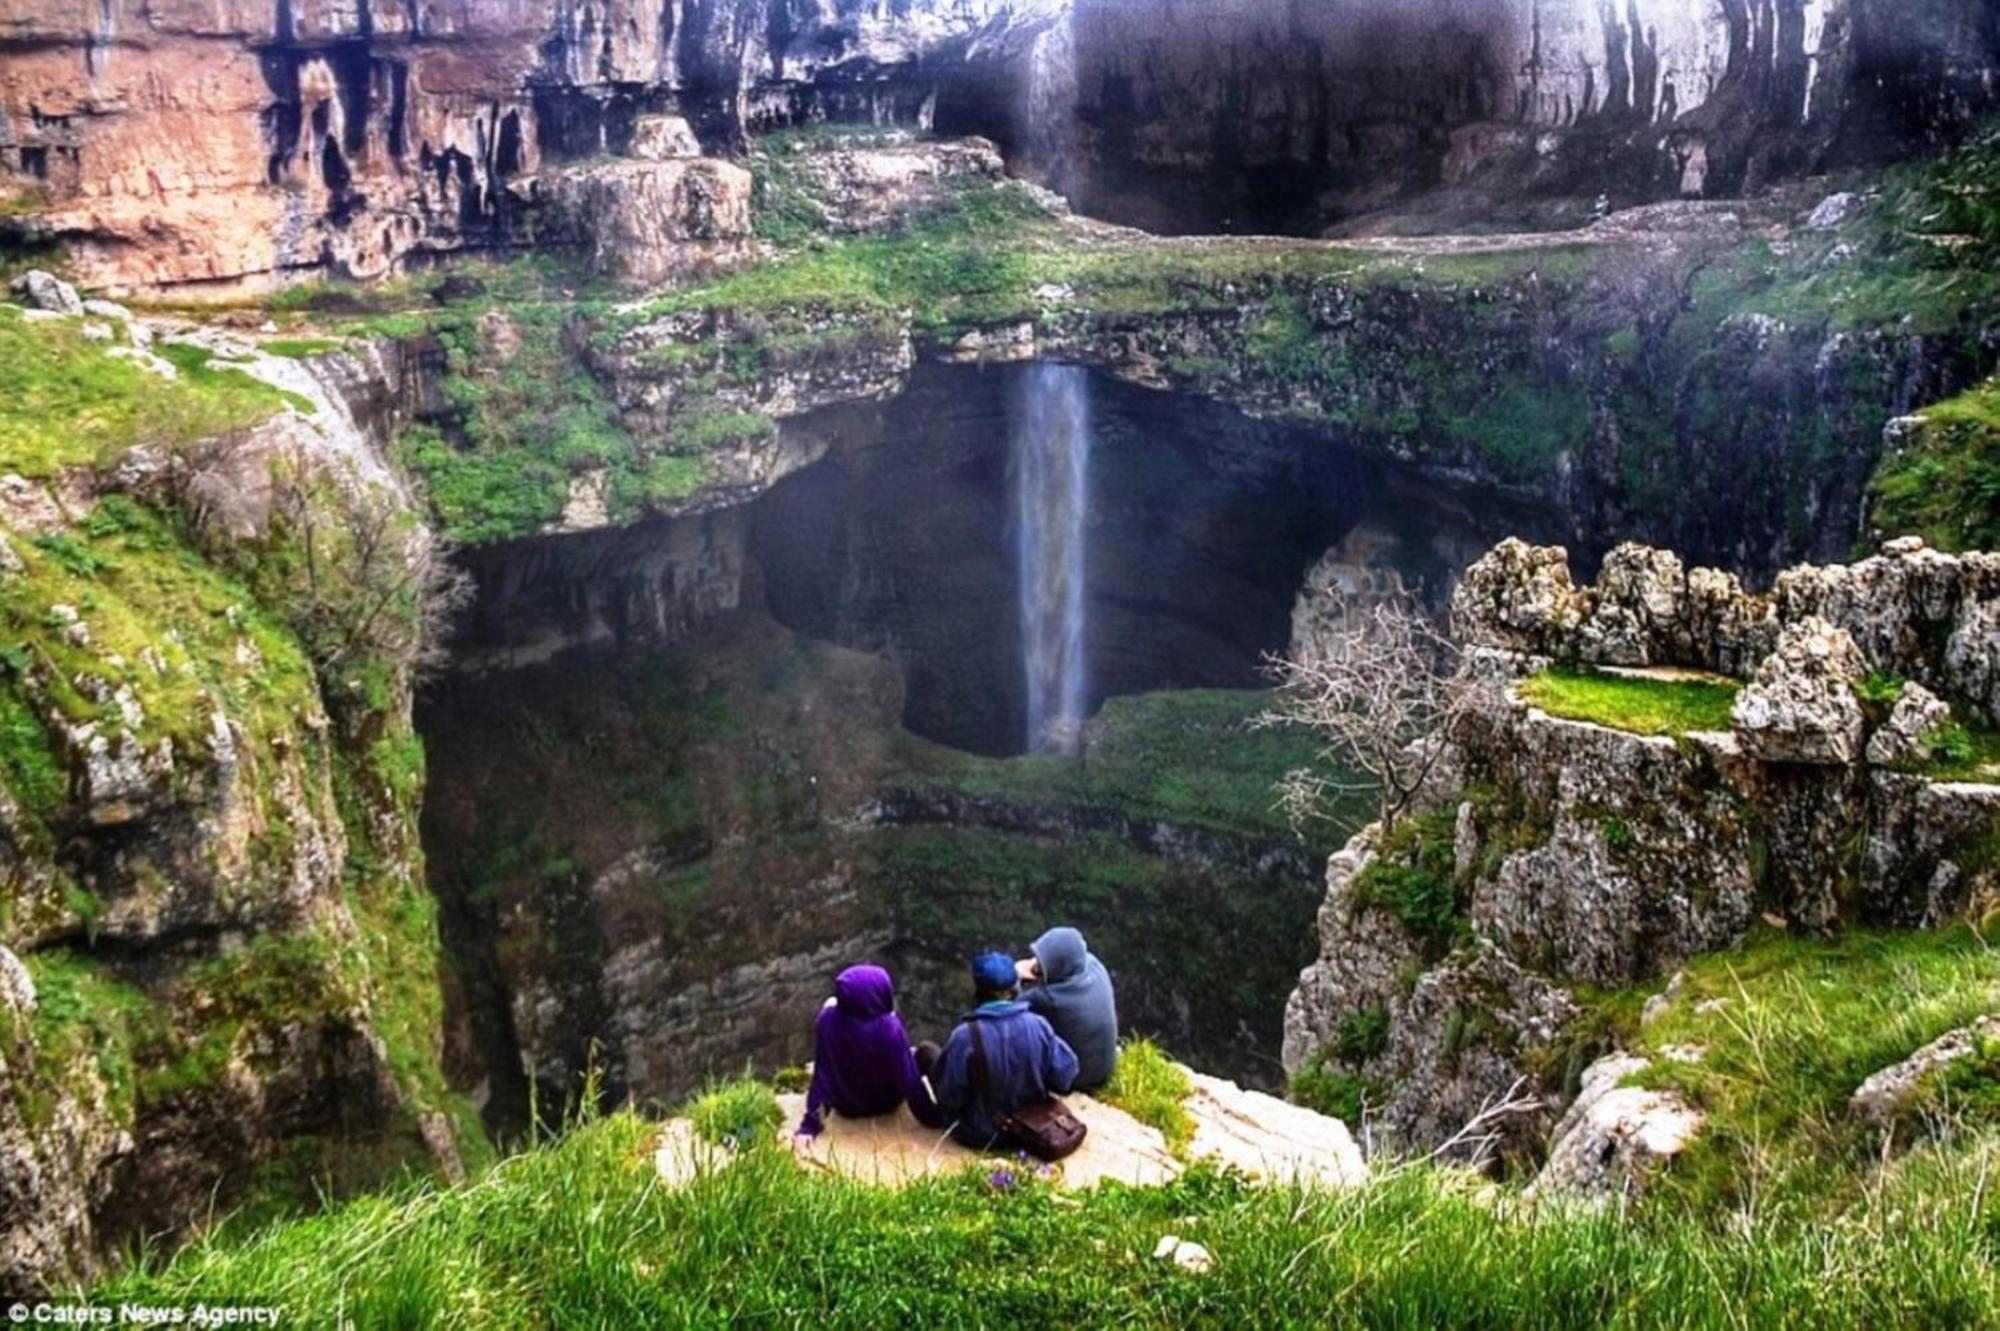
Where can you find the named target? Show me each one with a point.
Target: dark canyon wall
(236, 143)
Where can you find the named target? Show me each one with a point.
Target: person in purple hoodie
(862, 1061)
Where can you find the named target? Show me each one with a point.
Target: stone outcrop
(1801, 707)
(1888, 1094)
(1584, 853)
(1614, 1138)
(1908, 611)
(649, 222)
(203, 860)
(1262, 1137)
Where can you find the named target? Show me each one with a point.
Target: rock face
(1582, 853)
(206, 847)
(230, 147)
(224, 148)
(1252, 116)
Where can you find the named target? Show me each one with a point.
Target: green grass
(1943, 483)
(1189, 756)
(66, 401)
(1152, 1088)
(582, 1233)
(737, 1114)
(300, 348)
(1788, 1026)
(1644, 706)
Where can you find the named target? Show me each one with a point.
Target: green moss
(300, 348)
(1152, 1088)
(1642, 705)
(81, 1012)
(1943, 481)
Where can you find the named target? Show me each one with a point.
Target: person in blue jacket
(1025, 1059)
(1072, 989)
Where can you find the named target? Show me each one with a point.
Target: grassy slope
(1787, 1027)
(581, 1233)
(64, 401)
(1943, 482)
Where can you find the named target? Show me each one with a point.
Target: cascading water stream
(1050, 425)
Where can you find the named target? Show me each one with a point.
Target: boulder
(45, 291)
(1518, 597)
(1801, 707)
(1615, 1138)
(648, 222)
(1887, 1093)
(1904, 740)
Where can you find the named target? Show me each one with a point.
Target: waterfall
(1050, 427)
(1048, 100)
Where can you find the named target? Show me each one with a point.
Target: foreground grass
(582, 1233)
(1151, 1087)
(1773, 1037)
(1623, 702)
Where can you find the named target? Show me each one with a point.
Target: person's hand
(1028, 970)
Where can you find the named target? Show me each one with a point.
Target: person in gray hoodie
(1071, 988)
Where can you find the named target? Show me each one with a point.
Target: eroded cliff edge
(1679, 763)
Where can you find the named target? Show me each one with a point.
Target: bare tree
(1384, 691)
(366, 579)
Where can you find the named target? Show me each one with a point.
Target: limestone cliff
(224, 147)
(219, 948)
(1590, 845)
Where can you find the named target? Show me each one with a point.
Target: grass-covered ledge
(583, 1232)
(1644, 704)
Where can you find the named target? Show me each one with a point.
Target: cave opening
(1202, 523)
(694, 764)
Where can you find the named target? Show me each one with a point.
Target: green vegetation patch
(583, 1233)
(1152, 1088)
(1414, 877)
(736, 1114)
(1786, 1028)
(67, 401)
(1191, 757)
(1643, 705)
(1942, 482)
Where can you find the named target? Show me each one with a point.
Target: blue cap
(994, 970)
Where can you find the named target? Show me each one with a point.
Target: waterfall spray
(1050, 424)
